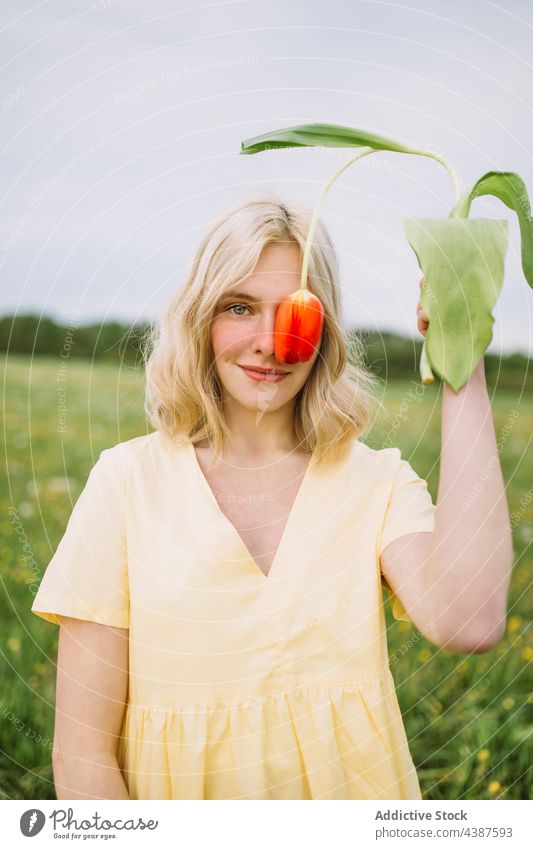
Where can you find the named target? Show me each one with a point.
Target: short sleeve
(87, 577)
(410, 509)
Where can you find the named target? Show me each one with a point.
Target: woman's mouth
(270, 377)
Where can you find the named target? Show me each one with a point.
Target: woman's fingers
(422, 316)
(423, 326)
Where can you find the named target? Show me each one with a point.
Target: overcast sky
(122, 124)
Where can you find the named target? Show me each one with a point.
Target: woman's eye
(234, 306)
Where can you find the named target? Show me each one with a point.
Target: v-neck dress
(244, 685)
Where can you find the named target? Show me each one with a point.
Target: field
(467, 716)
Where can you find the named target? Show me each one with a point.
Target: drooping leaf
(320, 135)
(462, 261)
(510, 188)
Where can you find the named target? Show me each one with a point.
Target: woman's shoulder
(364, 466)
(384, 465)
(140, 451)
(385, 458)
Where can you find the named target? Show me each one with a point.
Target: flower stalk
(462, 259)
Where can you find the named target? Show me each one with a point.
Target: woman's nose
(264, 336)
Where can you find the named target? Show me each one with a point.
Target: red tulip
(299, 323)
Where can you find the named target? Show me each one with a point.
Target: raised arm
(457, 578)
(91, 692)
(471, 563)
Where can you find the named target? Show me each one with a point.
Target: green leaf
(320, 135)
(510, 188)
(462, 261)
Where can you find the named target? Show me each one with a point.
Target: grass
(467, 717)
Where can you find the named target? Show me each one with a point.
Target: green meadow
(467, 716)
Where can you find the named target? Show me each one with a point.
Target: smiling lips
(271, 376)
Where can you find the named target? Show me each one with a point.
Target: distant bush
(31, 334)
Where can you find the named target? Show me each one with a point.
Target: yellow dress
(245, 686)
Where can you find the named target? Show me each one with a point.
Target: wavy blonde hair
(183, 392)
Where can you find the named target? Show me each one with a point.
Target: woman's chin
(262, 397)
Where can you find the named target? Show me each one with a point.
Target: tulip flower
(462, 260)
(298, 325)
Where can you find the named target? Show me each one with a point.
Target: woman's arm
(473, 545)
(454, 582)
(91, 692)
(472, 557)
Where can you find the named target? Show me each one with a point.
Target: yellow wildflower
(483, 755)
(508, 703)
(514, 623)
(527, 653)
(13, 643)
(494, 786)
(424, 655)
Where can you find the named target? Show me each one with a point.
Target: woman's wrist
(477, 379)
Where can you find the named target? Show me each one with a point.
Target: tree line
(389, 355)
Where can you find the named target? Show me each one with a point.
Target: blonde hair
(183, 392)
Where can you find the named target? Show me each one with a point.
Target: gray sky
(122, 124)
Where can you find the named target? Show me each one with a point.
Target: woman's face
(242, 332)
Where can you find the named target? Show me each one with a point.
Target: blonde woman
(219, 584)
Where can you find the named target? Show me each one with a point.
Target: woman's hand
(423, 318)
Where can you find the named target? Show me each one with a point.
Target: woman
(219, 584)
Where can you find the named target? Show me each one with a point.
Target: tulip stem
(460, 209)
(457, 188)
(425, 369)
(365, 152)
(318, 206)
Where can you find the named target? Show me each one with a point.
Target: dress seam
(345, 685)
